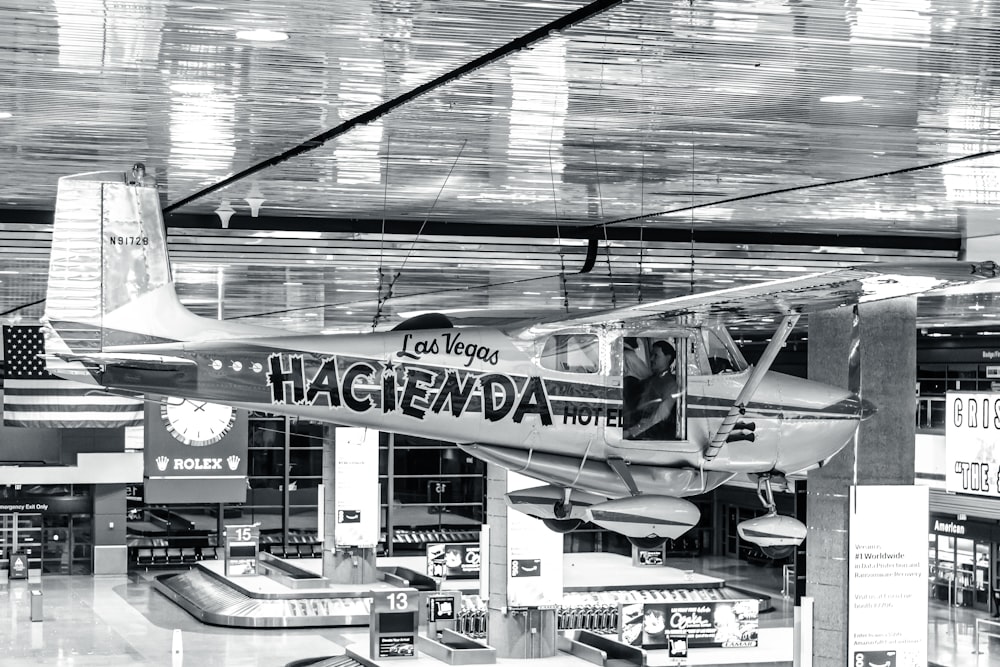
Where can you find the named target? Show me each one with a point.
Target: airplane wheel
(777, 553)
(647, 542)
(561, 509)
(562, 525)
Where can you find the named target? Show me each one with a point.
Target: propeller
(854, 355)
(854, 379)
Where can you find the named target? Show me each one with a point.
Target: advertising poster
(534, 556)
(648, 557)
(356, 488)
(453, 561)
(396, 647)
(715, 623)
(972, 431)
(195, 452)
(887, 596)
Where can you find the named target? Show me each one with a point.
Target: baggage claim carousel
(295, 594)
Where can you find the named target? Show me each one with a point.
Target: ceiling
(472, 154)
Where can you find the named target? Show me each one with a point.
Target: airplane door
(654, 397)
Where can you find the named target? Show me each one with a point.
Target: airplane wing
(800, 294)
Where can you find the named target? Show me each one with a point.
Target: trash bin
(36, 604)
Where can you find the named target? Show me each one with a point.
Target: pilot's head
(661, 356)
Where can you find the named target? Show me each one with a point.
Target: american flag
(34, 397)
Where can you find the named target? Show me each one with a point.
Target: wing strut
(756, 376)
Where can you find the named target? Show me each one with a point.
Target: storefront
(963, 553)
(53, 531)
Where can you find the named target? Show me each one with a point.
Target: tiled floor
(110, 621)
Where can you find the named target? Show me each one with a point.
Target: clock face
(197, 423)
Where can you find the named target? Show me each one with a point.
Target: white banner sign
(356, 488)
(972, 431)
(534, 556)
(887, 599)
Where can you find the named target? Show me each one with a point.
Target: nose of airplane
(860, 406)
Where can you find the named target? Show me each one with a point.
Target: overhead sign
(972, 432)
(887, 594)
(356, 489)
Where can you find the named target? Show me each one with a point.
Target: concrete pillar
(883, 453)
(340, 566)
(110, 550)
(527, 633)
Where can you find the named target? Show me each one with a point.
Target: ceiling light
(5, 114)
(841, 99)
(225, 212)
(262, 35)
(255, 198)
(192, 87)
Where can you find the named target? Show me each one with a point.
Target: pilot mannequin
(658, 397)
(634, 371)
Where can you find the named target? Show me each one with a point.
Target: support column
(515, 632)
(340, 566)
(110, 550)
(883, 454)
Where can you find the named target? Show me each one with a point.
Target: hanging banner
(887, 595)
(196, 452)
(356, 488)
(972, 431)
(534, 556)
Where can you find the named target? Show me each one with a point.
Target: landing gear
(562, 508)
(765, 494)
(777, 536)
(647, 542)
(562, 525)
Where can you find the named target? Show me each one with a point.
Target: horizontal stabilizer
(133, 360)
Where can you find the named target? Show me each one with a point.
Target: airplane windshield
(723, 355)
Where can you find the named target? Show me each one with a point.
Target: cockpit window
(723, 355)
(572, 353)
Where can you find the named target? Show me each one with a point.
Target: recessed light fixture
(192, 87)
(841, 99)
(262, 35)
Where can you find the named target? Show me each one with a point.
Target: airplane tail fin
(109, 275)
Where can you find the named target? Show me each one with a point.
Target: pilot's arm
(665, 403)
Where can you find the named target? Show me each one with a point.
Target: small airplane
(554, 400)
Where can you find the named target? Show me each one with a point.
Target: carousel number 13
(398, 601)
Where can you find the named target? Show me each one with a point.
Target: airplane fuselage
(485, 390)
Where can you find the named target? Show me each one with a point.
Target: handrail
(984, 621)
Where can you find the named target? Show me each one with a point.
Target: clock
(197, 423)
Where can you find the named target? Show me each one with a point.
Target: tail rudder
(110, 284)
(109, 275)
